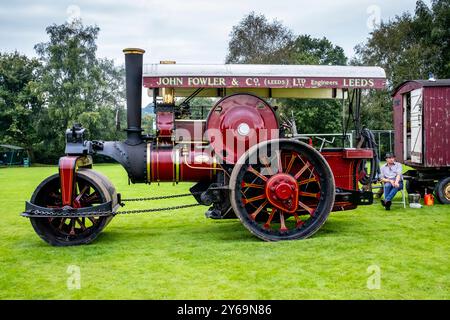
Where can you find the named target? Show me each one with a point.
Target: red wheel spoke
(72, 227)
(309, 194)
(291, 162)
(260, 197)
(91, 198)
(93, 220)
(306, 181)
(308, 209)
(252, 185)
(267, 224)
(267, 164)
(298, 174)
(282, 223)
(256, 173)
(82, 192)
(280, 165)
(254, 214)
(298, 221)
(62, 223)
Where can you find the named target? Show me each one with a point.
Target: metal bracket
(354, 196)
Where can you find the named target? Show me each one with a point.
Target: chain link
(62, 214)
(157, 209)
(160, 197)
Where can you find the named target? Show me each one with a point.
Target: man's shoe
(388, 205)
(383, 203)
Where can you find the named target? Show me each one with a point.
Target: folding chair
(403, 193)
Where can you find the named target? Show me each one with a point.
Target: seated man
(391, 176)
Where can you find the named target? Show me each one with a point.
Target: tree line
(41, 97)
(67, 83)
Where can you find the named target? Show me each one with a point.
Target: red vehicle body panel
(435, 125)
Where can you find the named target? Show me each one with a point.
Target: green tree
(78, 87)
(20, 102)
(257, 40)
(308, 50)
(315, 115)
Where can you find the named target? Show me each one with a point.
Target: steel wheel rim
(86, 194)
(447, 191)
(311, 213)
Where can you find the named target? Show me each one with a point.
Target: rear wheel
(282, 190)
(92, 188)
(442, 190)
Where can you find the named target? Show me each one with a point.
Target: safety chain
(160, 197)
(157, 209)
(62, 214)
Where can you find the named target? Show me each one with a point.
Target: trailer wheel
(282, 190)
(442, 190)
(92, 188)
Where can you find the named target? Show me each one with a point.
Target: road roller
(245, 160)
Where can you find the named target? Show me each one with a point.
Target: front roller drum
(92, 188)
(282, 190)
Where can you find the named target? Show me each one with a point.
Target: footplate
(35, 211)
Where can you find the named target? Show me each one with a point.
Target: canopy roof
(262, 76)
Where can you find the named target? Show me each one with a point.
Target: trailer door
(416, 126)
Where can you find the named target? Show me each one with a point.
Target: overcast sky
(189, 31)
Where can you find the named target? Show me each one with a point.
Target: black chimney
(133, 71)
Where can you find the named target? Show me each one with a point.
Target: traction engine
(244, 165)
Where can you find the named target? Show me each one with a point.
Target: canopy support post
(357, 114)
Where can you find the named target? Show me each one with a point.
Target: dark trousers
(390, 191)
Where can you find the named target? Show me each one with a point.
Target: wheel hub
(282, 192)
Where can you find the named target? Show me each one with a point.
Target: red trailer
(422, 133)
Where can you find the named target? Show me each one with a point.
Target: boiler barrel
(177, 164)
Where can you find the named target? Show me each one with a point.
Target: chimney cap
(133, 51)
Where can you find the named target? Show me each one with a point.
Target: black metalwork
(133, 67)
(105, 209)
(75, 143)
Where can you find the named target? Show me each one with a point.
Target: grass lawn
(183, 255)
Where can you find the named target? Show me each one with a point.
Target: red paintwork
(67, 166)
(344, 164)
(357, 153)
(264, 82)
(229, 114)
(165, 124)
(190, 130)
(398, 117)
(196, 166)
(345, 167)
(436, 124)
(282, 192)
